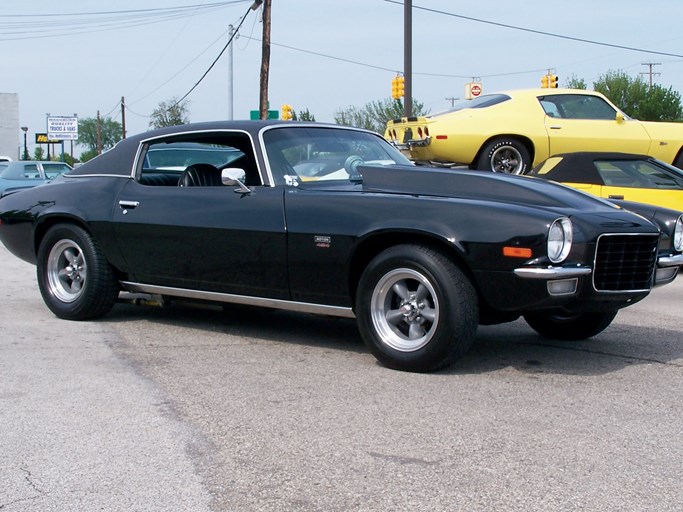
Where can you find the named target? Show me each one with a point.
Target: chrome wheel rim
(405, 310)
(506, 159)
(66, 271)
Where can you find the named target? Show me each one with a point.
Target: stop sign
(475, 90)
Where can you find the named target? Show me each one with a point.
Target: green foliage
(638, 99)
(170, 113)
(303, 115)
(110, 133)
(38, 153)
(573, 82)
(88, 155)
(69, 159)
(375, 115)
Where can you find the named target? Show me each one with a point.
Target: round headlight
(559, 239)
(678, 234)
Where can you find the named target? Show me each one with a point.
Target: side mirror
(234, 176)
(620, 117)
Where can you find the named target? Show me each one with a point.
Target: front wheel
(416, 310)
(567, 326)
(75, 279)
(505, 155)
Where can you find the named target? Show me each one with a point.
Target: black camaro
(333, 220)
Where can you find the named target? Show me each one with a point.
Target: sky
(80, 57)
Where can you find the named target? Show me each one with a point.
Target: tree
(170, 113)
(88, 155)
(639, 100)
(573, 82)
(110, 133)
(303, 115)
(375, 115)
(38, 153)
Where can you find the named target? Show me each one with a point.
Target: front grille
(625, 262)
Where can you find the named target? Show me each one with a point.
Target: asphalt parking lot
(190, 409)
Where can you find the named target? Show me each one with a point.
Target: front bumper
(564, 281)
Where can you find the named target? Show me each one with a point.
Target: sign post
(62, 128)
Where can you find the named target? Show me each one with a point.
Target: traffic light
(397, 87)
(549, 81)
(287, 112)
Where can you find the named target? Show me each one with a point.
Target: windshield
(314, 153)
(638, 174)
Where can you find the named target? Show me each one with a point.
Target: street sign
(472, 90)
(41, 138)
(62, 128)
(272, 114)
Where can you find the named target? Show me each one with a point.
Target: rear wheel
(505, 155)
(75, 280)
(416, 310)
(569, 327)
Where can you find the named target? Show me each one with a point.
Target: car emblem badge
(322, 241)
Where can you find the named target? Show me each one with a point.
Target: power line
(540, 32)
(392, 70)
(252, 7)
(62, 25)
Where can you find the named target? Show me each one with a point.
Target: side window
(579, 106)
(550, 108)
(165, 160)
(31, 172)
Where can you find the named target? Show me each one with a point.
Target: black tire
(416, 310)
(569, 327)
(75, 280)
(505, 155)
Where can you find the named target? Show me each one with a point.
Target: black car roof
(580, 167)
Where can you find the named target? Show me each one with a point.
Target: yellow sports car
(513, 131)
(617, 176)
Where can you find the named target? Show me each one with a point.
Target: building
(10, 133)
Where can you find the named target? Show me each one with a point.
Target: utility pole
(99, 134)
(230, 67)
(265, 61)
(408, 57)
(123, 117)
(650, 64)
(452, 100)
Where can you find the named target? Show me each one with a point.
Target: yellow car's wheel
(505, 155)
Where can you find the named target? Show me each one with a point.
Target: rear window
(488, 100)
(54, 170)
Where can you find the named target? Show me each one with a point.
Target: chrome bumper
(674, 260)
(552, 272)
(666, 272)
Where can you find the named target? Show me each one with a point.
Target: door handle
(615, 197)
(125, 205)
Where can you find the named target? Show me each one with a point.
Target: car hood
(477, 185)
